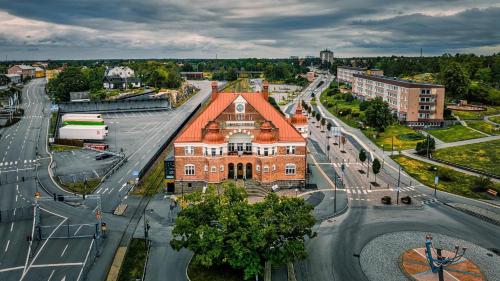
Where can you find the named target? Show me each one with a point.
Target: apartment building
(345, 73)
(326, 56)
(241, 136)
(417, 104)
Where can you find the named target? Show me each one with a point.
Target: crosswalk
(361, 193)
(339, 165)
(9, 164)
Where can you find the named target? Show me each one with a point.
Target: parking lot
(77, 165)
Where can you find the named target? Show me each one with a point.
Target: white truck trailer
(83, 132)
(82, 117)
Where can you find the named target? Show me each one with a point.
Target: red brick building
(241, 136)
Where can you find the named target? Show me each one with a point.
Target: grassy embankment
(240, 85)
(401, 136)
(79, 188)
(476, 115)
(133, 264)
(484, 127)
(450, 180)
(484, 156)
(455, 133)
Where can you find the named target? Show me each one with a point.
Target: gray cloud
(259, 28)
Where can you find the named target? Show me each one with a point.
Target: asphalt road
(334, 253)
(24, 158)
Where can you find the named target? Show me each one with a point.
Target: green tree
(456, 80)
(426, 147)
(376, 167)
(362, 156)
(225, 230)
(70, 80)
(4, 80)
(378, 114)
(329, 126)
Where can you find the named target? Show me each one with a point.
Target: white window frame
(189, 170)
(206, 168)
(222, 168)
(289, 168)
(266, 169)
(189, 150)
(290, 150)
(257, 168)
(274, 167)
(213, 169)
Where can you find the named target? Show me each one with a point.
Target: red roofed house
(241, 136)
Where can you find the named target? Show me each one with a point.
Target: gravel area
(380, 258)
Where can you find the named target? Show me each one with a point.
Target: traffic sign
(436, 180)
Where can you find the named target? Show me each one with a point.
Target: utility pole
(399, 181)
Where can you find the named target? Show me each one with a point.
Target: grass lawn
(476, 115)
(59, 147)
(495, 119)
(404, 137)
(133, 264)
(52, 124)
(222, 273)
(458, 183)
(335, 106)
(484, 127)
(78, 186)
(483, 156)
(455, 133)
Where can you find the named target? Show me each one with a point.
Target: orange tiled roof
(193, 132)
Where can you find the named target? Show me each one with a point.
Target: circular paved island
(398, 256)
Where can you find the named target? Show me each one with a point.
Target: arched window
(213, 169)
(257, 167)
(266, 169)
(189, 170)
(290, 169)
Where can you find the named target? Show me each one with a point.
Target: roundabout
(402, 256)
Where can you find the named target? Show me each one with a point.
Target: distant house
(14, 78)
(120, 78)
(79, 96)
(39, 72)
(52, 73)
(26, 71)
(192, 75)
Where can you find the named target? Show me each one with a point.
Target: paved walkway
(464, 142)
(487, 119)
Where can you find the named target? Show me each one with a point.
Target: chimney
(215, 90)
(265, 90)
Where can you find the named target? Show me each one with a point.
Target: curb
(472, 213)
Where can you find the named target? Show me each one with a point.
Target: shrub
(344, 111)
(445, 174)
(348, 97)
(355, 114)
(411, 136)
(364, 105)
(481, 184)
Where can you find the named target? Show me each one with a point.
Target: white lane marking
(64, 251)
(56, 264)
(7, 246)
(85, 261)
(51, 274)
(78, 229)
(11, 269)
(11, 226)
(16, 197)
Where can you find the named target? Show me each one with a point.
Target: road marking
(57, 264)
(85, 261)
(16, 197)
(11, 269)
(7, 246)
(11, 226)
(64, 251)
(51, 274)
(78, 229)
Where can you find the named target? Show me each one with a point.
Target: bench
(492, 192)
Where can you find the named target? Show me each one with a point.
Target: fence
(167, 142)
(116, 105)
(67, 231)
(17, 214)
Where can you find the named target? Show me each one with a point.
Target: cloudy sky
(76, 29)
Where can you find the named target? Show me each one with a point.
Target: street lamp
(439, 262)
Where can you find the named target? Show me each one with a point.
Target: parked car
(102, 156)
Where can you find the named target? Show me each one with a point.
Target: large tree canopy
(70, 80)
(378, 114)
(456, 80)
(226, 229)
